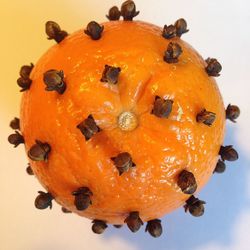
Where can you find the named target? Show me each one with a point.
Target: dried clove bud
(186, 182)
(169, 31)
(195, 206)
(172, 53)
(228, 153)
(16, 139)
(154, 228)
(82, 198)
(110, 74)
(220, 167)
(114, 14)
(39, 151)
(181, 27)
(133, 221)
(43, 200)
(123, 162)
(54, 31)
(162, 108)
(15, 124)
(29, 170)
(26, 70)
(99, 226)
(213, 67)
(54, 81)
(232, 112)
(94, 30)
(88, 127)
(117, 226)
(24, 83)
(128, 10)
(65, 210)
(206, 117)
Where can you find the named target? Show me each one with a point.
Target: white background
(218, 28)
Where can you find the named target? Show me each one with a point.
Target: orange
(160, 147)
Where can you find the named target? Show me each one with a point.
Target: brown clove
(220, 167)
(29, 170)
(123, 162)
(195, 206)
(43, 200)
(54, 81)
(99, 226)
(154, 227)
(169, 31)
(114, 14)
(24, 83)
(228, 153)
(39, 151)
(82, 198)
(186, 182)
(232, 112)
(133, 221)
(16, 139)
(172, 53)
(181, 27)
(162, 108)
(53, 30)
(110, 74)
(128, 10)
(206, 117)
(15, 124)
(88, 127)
(65, 210)
(94, 30)
(213, 67)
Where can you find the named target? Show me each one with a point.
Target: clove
(172, 53)
(39, 151)
(133, 221)
(186, 182)
(88, 127)
(232, 112)
(99, 226)
(213, 67)
(94, 30)
(228, 153)
(195, 206)
(162, 108)
(206, 117)
(16, 139)
(114, 14)
(123, 162)
(53, 30)
(110, 74)
(82, 198)
(128, 10)
(54, 81)
(43, 200)
(154, 227)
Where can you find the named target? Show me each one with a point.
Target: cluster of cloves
(178, 29)
(24, 80)
(128, 12)
(162, 108)
(228, 153)
(16, 138)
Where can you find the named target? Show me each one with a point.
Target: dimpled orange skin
(159, 147)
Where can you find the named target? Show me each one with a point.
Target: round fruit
(123, 121)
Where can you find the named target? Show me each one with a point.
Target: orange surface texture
(160, 147)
